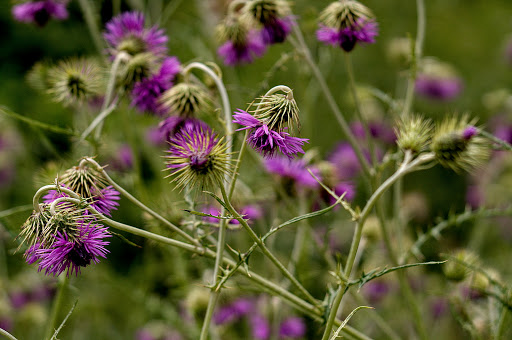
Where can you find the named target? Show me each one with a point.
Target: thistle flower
(278, 111)
(126, 33)
(74, 80)
(345, 162)
(265, 140)
(84, 180)
(293, 170)
(234, 311)
(186, 100)
(457, 146)
(68, 252)
(136, 69)
(413, 133)
(345, 23)
(438, 80)
(40, 12)
(292, 328)
(197, 157)
(274, 16)
(146, 93)
(241, 44)
(260, 327)
(173, 124)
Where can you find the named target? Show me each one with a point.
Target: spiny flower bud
(186, 100)
(457, 145)
(197, 157)
(278, 111)
(83, 180)
(457, 269)
(74, 80)
(399, 51)
(136, 68)
(37, 77)
(413, 133)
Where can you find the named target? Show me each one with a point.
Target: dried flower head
(278, 112)
(273, 15)
(74, 80)
(457, 146)
(126, 33)
(346, 22)
(186, 100)
(265, 140)
(413, 133)
(40, 12)
(197, 157)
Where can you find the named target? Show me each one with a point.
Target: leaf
(208, 215)
(344, 323)
(36, 123)
(124, 239)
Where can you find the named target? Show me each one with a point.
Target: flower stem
(350, 72)
(404, 169)
(303, 49)
(501, 324)
(7, 334)
(266, 251)
(92, 23)
(57, 303)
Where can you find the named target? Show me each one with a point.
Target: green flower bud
(186, 100)
(413, 133)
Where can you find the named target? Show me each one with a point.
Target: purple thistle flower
(438, 88)
(126, 32)
(377, 130)
(146, 93)
(31, 253)
(275, 31)
(345, 161)
(469, 132)
(362, 31)
(267, 141)
(238, 53)
(233, 311)
(260, 327)
(292, 328)
(375, 291)
(69, 253)
(18, 299)
(174, 124)
(40, 12)
(294, 169)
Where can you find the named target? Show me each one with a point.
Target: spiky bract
(344, 14)
(413, 133)
(186, 99)
(278, 111)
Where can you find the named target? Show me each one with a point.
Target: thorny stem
(265, 250)
(139, 203)
(92, 24)
(57, 303)
(357, 104)
(303, 49)
(404, 169)
(301, 305)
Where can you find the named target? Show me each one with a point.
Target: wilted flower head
(74, 80)
(265, 140)
(146, 93)
(197, 157)
(345, 23)
(278, 111)
(241, 44)
(273, 15)
(413, 133)
(40, 12)
(70, 251)
(457, 146)
(186, 100)
(438, 80)
(126, 33)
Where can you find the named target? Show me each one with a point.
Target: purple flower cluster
(126, 32)
(362, 31)
(266, 141)
(146, 93)
(40, 12)
(70, 253)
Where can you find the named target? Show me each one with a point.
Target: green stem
(99, 119)
(57, 303)
(405, 168)
(7, 334)
(92, 23)
(418, 50)
(504, 144)
(501, 324)
(265, 250)
(360, 116)
(303, 49)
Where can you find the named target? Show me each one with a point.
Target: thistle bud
(457, 145)
(37, 77)
(74, 80)
(278, 111)
(273, 15)
(456, 270)
(186, 100)
(136, 69)
(399, 51)
(413, 133)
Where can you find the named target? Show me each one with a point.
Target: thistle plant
(291, 241)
